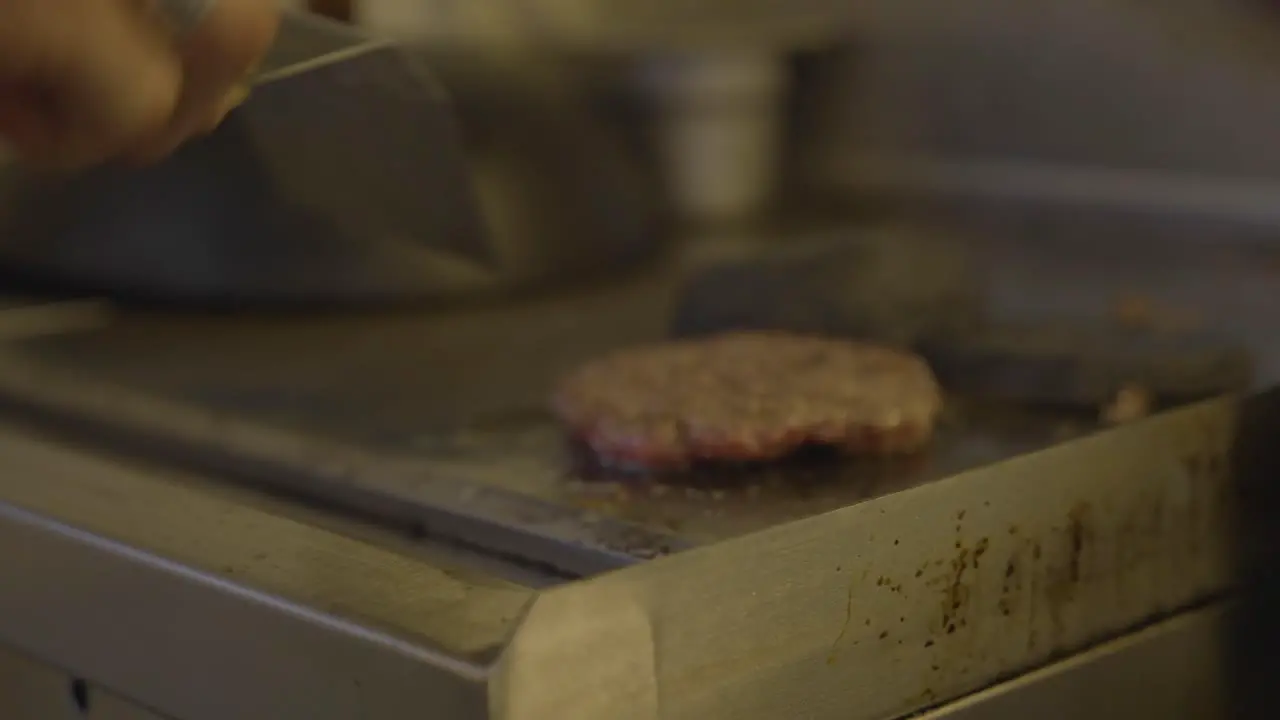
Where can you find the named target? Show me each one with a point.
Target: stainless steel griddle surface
(461, 397)
(449, 405)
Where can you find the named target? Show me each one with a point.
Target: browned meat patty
(748, 397)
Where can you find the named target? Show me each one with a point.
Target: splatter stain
(978, 551)
(848, 618)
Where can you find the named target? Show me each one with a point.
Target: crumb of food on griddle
(1131, 402)
(747, 398)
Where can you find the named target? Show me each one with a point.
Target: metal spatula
(341, 178)
(365, 128)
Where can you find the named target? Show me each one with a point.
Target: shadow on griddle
(529, 453)
(814, 470)
(804, 473)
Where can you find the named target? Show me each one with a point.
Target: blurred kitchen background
(1090, 102)
(1095, 124)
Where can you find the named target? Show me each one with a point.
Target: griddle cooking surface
(717, 503)
(460, 399)
(448, 406)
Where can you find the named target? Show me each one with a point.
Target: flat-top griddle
(1022, 536)
(435, 423)
(422, 427)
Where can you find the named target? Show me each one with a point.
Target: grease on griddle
(686, 502)
(803, 474)
(528, 452)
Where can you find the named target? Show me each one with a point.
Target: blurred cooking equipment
(924, 287)
(713, 77)
(897, 282)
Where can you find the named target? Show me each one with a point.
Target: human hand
(88, 81)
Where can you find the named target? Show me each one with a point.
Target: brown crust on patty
(748, 397)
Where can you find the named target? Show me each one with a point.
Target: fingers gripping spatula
(341, 177)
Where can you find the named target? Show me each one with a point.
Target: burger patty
(748, 397)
